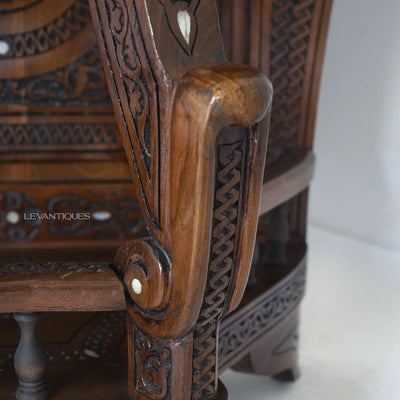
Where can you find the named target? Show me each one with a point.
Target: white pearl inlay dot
(91, 353)
(136, 286)
(4, 47)
(184, 23)
(12, 217)
(101, 215)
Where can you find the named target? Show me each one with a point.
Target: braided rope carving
(290, 34)
(76, 134)
(227, 199)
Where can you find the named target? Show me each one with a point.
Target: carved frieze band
(63, 28)
(222, 255)
(81, 82)
(53, 268)
(68, 216)
(105, 221)
(22, 138)
(236, 334)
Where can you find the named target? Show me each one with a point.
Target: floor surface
(350, 327)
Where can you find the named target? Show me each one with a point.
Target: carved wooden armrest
(217, 157)
(195, 133)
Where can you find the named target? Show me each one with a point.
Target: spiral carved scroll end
(144, 269)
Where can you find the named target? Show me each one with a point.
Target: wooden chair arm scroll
(195, 132)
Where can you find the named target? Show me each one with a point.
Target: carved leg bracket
(158, 368)
(30, 360)
(162, 369)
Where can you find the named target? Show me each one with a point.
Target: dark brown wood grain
(199, 173)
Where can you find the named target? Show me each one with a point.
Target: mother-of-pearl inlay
(184, 23)
(4, 47)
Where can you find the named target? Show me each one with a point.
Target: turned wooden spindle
(30, 360)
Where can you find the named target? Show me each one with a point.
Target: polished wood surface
(199, 174)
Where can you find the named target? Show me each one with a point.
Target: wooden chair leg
(30, 360)
(165, 368)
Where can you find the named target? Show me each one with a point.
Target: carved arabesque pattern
(290, 35)
(38, 41)
(81, 82)
(226, 206)
(139, 95)
(152, 364)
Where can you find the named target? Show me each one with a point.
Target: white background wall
(356, 190)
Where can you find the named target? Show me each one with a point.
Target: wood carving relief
(111, 216)
(81, 83)
(139, 91)
(153, 367)
(282, 39)
(238, 333)
(47, 37)
(228, 188)
(50, 64)
(190, 128)
(21, 138)
(290, 36)
(105, 219)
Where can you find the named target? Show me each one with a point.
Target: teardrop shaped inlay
(184, 23)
